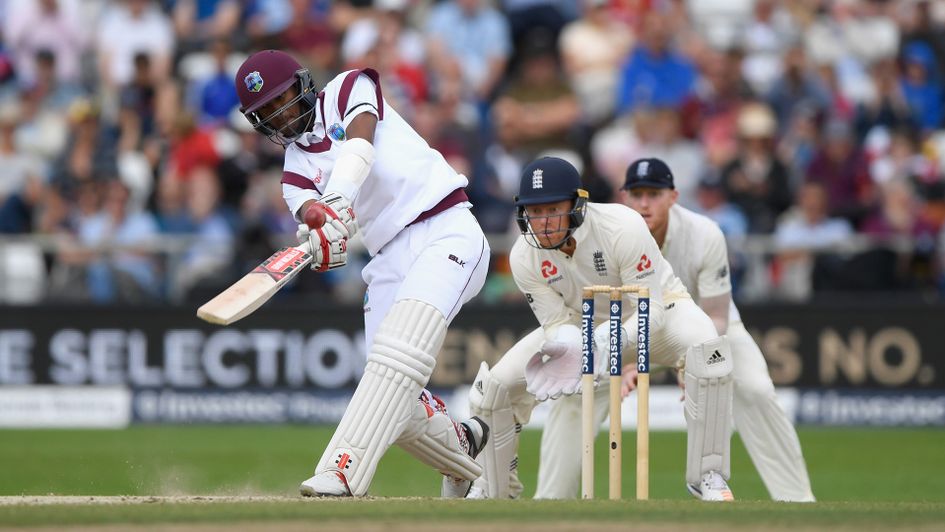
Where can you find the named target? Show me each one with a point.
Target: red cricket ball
(314, 216)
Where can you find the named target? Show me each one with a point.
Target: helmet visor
(289, 121)
(545, 230)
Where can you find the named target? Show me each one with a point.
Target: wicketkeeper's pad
(489, 399)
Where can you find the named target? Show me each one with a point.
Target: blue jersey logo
(336, 132)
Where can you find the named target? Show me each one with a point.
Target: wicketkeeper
(566, 244)
(695, 247)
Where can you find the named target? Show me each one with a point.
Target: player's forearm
(717, 308)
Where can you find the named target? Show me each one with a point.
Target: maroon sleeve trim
(348, 83)
(297, 180)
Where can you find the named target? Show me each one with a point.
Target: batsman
(353, 165)
(566, 244)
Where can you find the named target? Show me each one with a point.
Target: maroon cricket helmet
(264, 76)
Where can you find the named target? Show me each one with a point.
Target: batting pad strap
(352, 167)
(409, 338)
(489, 399)
(708, 409)
(432, 437)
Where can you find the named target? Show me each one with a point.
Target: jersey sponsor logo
(537, 178)
(723, 272)
(337, 132)
(282, 263)
(548, 269)
(318, 177)
(455, 259)
(644, 264)
(254, 82)
(599, 264)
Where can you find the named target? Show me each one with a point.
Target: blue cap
(548, 180)
(649, 173)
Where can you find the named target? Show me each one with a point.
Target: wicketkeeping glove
(556, 369)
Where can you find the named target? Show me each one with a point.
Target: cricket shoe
(479, 490)
(330, 483)
(473, 438)
(712, 487)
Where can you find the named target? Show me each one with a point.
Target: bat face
(256, 287)
(283, 263)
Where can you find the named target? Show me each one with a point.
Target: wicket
(643, 389)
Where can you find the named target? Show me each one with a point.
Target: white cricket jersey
(614, 248)
(695, 246)
(408, 176)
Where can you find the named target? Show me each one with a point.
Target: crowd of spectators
(808, 122)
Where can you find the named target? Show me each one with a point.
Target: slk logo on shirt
(548, 269)
(644, 264)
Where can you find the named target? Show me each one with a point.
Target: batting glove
(329, 246)
(339, 213)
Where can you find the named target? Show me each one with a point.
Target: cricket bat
(255, 288)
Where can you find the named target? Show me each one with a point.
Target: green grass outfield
(864, 479)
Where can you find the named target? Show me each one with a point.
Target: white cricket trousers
(441, 261)
(767, 433)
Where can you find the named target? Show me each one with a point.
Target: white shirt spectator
(122, 35)
(474, 39)
(797, 233)
(29, 28)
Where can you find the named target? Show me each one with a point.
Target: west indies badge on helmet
(266, 75)
(550, 180)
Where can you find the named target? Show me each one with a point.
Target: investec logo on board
(615, 315)
(586, 354)
(643, 334)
